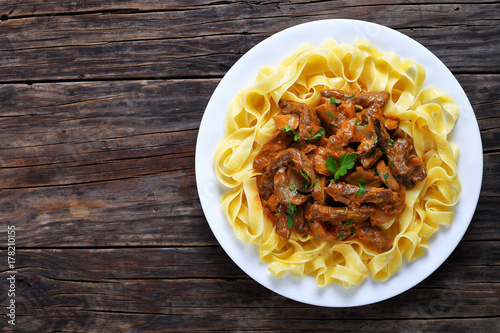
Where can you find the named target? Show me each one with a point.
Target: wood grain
(100, 104)
(163, 44)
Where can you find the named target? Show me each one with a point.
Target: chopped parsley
(346, 163)
(352, 230)
(305, 175)
(348, 223)
(316, 135)
(289, 215)
(288, 130)
(331, 114)
(386, 176)
(335, 101)
(341, 234)
(362, 188)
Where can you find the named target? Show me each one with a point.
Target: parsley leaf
(289, 215)
(348, 223)
(386, 176)
(316, 135)
(341, 234)
(352, 230)
(331, 164)
(362, 188)
(288, 130)
(333, 100)
(302, 172)
(346, 163)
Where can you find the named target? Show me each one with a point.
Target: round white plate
(269, 53)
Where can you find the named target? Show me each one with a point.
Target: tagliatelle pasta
(426, 114)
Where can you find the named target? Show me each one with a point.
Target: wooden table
(100, 104)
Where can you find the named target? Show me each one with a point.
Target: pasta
(426, 114)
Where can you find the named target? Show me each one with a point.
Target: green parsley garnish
(352, 230)
(288, 130)
(335, 101)
(391, 164)
(341, 234)
(362, 188)
(348, 223)
(305, 175)
(346, 163)
(305, 236)
(386, 176)
(316, 135)
(289, 215)
(358, 122)
(331, 114)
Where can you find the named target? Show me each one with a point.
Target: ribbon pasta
(426, 114)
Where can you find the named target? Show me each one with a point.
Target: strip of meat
(285, 157)
(405, 164)
(281, 227)
(371, 178)
(318, 191)
(309, 124)
(386, 176)
(329, 117)
(373, 236)
(364, 99)
(278, 142)
(320, 213)
(346, 193)
(290, 121)
(286, 186)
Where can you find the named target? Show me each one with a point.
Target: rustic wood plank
(138, 263)
(230, 320)
(157, 209)
(156, 45)
(54, 7)
(242, 304)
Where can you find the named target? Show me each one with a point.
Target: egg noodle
(426, 114)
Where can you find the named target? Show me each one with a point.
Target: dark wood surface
(100, 104)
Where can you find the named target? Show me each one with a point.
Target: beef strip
(337, 215)
(386, 176)
(364, 99)
(346, 193)
(290, 155)
(287, 182)
(278, 142)
(406, 166)
(309, 124)
(370, 177)
(372, 236)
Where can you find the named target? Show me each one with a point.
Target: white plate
(269, 53)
